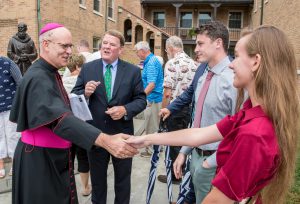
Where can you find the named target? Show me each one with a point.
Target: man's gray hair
(174, 41)
(45, 36)
(142, 45)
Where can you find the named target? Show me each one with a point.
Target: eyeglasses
(63, 46)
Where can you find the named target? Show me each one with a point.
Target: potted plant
(193, 33)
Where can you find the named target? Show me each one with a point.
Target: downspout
(38, 10)
(261, 12)
(106, 15)
(177, 6)
(142, 12)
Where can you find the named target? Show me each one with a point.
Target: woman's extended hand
(137, 141)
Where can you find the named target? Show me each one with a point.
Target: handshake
(122, 145)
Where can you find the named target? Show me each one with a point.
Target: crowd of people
(235, 118)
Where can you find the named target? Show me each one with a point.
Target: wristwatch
(125, 115)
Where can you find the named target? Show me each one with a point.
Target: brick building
(86, 19)
(284, 14)
(150, 20)
(183, 17)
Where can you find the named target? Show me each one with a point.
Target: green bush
(294, 197)
(192, 32)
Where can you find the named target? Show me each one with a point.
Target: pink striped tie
(201, 98)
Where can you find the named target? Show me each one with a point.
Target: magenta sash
(44, 137)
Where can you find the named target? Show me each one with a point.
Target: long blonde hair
(276, 86)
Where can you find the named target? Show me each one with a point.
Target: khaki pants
(151, 117)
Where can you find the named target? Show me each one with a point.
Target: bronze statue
(21, 48)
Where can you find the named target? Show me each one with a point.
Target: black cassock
(45, 175)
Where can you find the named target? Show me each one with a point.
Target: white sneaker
(2, 173)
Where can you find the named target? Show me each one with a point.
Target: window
(235, 20)
(82, 2)
(127, 30)
(204, 17)
(186, 19)
(110, 8)
(96, 42)
(231, 50)
(159, 19)
(97, 5)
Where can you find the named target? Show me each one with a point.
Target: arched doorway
(138, 33)
(127, 30)
(150, 40)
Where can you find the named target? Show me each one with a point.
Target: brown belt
(204, 152)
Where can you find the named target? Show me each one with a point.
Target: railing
(183, 33)
(234, 34)
(145, 21)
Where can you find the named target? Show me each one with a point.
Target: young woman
(256, 158)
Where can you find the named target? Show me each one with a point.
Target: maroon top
(248, 156)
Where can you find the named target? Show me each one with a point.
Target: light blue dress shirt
(220, 101)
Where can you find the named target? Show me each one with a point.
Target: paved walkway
(138, 187)
(139, 181)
